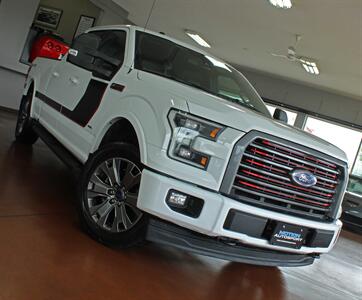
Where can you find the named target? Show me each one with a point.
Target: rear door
(79, 82)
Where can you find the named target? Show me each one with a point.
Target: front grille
(261, 174)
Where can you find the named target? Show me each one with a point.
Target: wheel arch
(30, 83)
(124, 129)
(30, 86)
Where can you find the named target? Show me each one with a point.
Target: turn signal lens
(204, 161)
(214, 133)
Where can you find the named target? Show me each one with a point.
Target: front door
(79, 82)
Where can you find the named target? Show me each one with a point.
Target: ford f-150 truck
(175, 146)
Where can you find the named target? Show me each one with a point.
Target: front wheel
(108, 192)
(24, 132)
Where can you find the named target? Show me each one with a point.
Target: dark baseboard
(9, 110)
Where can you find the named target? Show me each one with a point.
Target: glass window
(345, 138)
(355, 185)
(292, 115)
(357, 168)
(167, 59)
(101, 52)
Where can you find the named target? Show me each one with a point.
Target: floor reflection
(242, 281)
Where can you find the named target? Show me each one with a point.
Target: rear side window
(101, 52)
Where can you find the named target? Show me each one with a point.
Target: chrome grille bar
(261, 172)
(292, 192)
(246, 166)
(294, 159)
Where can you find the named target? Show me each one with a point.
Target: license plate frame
(288, 235)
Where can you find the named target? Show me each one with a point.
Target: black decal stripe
(48, 101)
(87, 106)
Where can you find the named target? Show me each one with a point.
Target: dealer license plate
(288, 235)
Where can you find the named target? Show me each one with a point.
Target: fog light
(177, 199)
(184, 204)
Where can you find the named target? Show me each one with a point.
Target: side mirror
(280, 115)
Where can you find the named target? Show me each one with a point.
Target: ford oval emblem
(304, 178)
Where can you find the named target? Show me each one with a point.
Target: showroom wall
(71, 13)
(111, 13)
(16, 17)
(307, 98)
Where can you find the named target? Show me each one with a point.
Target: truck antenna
(150, 14)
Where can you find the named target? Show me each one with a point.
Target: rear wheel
(24, 132)
(108, 194)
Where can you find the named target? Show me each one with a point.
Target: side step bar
(63, 154)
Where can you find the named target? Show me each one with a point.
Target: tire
(107, 200)
(24, 132)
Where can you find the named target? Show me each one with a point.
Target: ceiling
(244, 32)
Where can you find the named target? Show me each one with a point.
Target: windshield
(168, 59)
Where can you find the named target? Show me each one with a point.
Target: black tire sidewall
(27, 134)
(23, 102)
(131, 237)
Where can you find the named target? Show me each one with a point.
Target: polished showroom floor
(45, 255)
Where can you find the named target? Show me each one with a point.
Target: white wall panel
(307, 98)
(11, 88)
(16, 17)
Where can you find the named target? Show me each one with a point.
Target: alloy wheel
(112, 194)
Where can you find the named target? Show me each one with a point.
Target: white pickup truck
(175, 146)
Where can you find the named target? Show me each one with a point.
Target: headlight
(185, 130)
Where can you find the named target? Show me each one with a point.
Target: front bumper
(155, 187)
(176, 236)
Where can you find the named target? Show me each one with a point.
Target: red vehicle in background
(48, 46)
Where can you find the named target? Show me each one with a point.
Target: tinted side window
(101, 52)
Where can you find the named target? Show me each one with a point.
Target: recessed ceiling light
(281, 3)
(310, 66)
(197, 38)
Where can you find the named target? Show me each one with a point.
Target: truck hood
(232, 115)
(224, 112)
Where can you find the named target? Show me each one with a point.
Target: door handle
(55, 74)
(74, 80)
